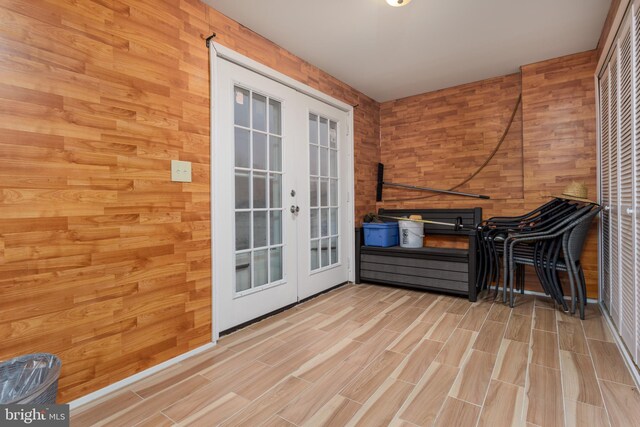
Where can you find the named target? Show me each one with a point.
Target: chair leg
(511, 272)
(582, 294)
(506, 274)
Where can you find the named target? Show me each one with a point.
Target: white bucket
(411, 234)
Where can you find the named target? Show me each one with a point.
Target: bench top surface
(470, 217)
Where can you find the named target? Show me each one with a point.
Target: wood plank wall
(103, 260)
(439, 138)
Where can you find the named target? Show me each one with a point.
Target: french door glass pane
(275, 154)
(313, 129)
(275, 227)
(258, 189)
(275, 260)
(334, 250)
(315, 264)
(313, 160)
(261, 267)
(324, 192)
(324, 161)
(243, 271)
(333, 163)
(259, 229)
(259, 112)
(275, 121)
(243, 188)
(243, 230)
(324, 132)
(333, 199)
(275, 190)
(313, 192)
(333, 135)
(324, 183)
(334, 221)
(259, 150)
(242, 137)
(314, 223)
(324, 253)
(324, 222)
(241, 107)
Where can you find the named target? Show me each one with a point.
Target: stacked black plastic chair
(555, 249)
(492, 232)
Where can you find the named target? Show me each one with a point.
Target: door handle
(629, 211)
(294, 209)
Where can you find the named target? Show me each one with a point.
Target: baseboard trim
(631, 366)
(93, 396)
(542, 294)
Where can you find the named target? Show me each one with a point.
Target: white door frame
(218, 52)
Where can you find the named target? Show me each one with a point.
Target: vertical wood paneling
(103, 260)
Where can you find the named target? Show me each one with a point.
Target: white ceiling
(388, 52)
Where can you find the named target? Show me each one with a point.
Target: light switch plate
(180, 171)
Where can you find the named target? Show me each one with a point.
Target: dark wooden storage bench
(438, 269)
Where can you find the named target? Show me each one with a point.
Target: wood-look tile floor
(366, 355)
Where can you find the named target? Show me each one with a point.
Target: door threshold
(280, 310)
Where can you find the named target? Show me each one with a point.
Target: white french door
(280, 195)
(254, 236)
(324, 221)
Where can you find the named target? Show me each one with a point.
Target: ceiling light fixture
(398, 3)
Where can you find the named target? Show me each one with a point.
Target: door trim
(218, 52)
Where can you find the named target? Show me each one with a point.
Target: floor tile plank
(417, 363)
(372, 376)
(544, 349)
(503, 405)
(444, 327)
(622, 402)
(473, 380)
(544, 399)
(429, 395)
(217, 411)
(490, 337)
(384, 404)
(336, 412)
(267, 405)
(579, 378)
(519, 328)
(572, 337)
(458, 413)
(511, 364)
(457, 347)
(609, 363)
(411, 337)
(582, 415)
(544, 319)
(475, 317)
